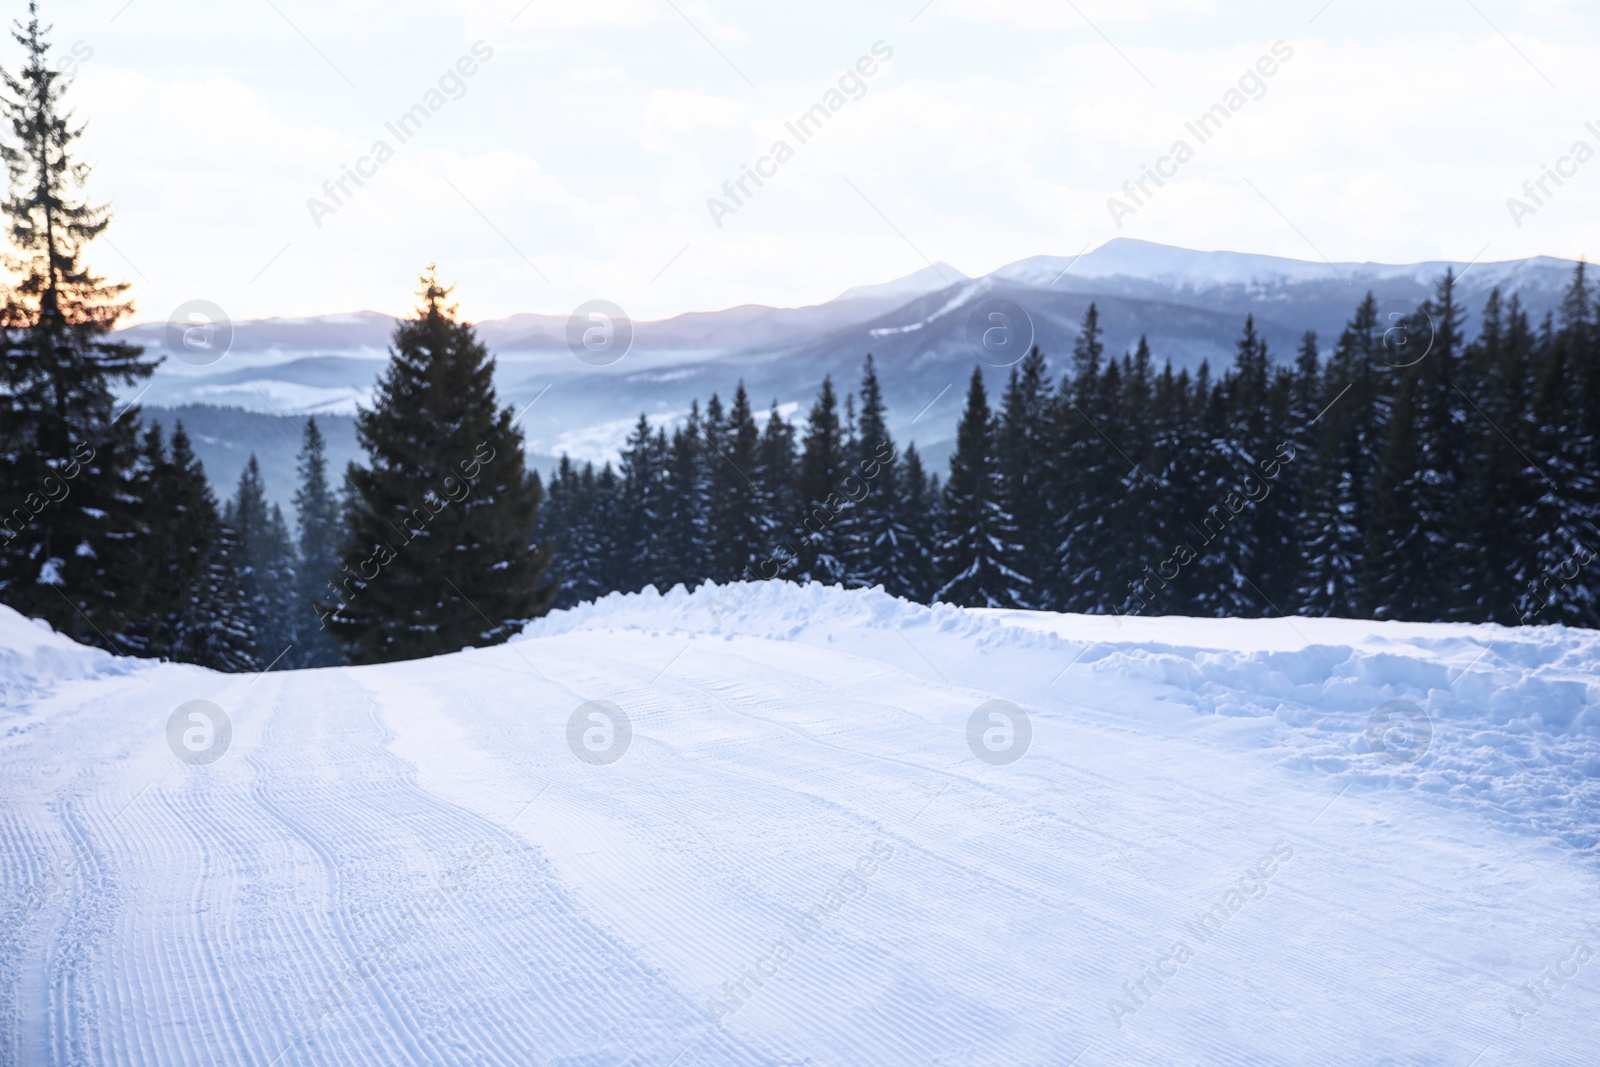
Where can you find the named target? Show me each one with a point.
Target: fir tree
(735, 499)
(440, 522)
(1564, 469)
(191, 608)
(978, 535)
(1088, 477)
(320, 533)
(1412, 560)
(266, 576)
(1023, 452)
(683, 537)
(642, 508)
(919, 506)
(1349, 430)
(1499, 500)
(775, 482)
(820, 490)
(872, 531)
(68, 542)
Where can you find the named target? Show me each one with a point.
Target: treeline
(1410, 473)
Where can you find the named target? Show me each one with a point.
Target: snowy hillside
(781, 825)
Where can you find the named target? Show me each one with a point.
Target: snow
(930, 279)
(1200, 271)
(799, 857)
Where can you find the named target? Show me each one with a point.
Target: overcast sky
(577, 160)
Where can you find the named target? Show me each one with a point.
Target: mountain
(921, 328)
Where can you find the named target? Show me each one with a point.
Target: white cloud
(592, 140)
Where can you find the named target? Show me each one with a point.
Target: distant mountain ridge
(1190, 304)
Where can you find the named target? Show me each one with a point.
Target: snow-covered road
(635, 837)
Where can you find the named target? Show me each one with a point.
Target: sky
(578, 151)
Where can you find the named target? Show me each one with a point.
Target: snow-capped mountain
(1189, 304)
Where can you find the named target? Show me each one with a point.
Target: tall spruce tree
(1563, 465)
(684, 536)
(1088, 476)
(191, 606)
(872, 530)
(1349, 431)
(978, 534)
(819, 488)
(72, 519)
(775, 482)
(267, 573)
(643, 506)
(734, 499)
(319, 536)
(441, 520)
(919, 504)
(1412, 538)
(1023, 452)
(1498, 506)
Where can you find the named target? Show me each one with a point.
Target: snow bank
(1514, 712)
(33, 658)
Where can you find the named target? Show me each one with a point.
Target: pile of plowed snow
(767, 824)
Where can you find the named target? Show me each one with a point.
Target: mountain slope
(800, 856)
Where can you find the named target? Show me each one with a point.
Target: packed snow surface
(809, 849)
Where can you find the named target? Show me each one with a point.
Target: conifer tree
(598, 533)
(191, 607)
(643, 507)
(320, 534)
(1563, 465)
(780, 510)
(872, 531)
(441, 520)
(919, 504)
(1412, 536)
(1023, 454)
(68, 541)
(1499, 499)
(978, 535)
(819, 488)
(735, 498)
(1088, 476)
(266, 576)
(683, 538)
(561, 510)
(1349, 430)
(1136, 514)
